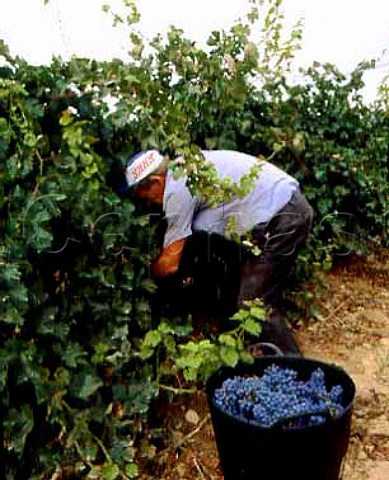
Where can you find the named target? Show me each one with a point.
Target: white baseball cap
(141, 165)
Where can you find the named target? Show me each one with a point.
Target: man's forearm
(162, 268)
(169, 260)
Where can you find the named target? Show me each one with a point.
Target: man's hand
(169, 260)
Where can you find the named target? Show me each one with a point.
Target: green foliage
(82, 354)
(198, 358)
(337, 147)
(73, 281)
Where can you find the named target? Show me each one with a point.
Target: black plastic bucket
(252, 452)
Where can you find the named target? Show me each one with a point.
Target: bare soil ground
(352, 332)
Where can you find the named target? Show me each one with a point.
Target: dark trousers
(279, 240)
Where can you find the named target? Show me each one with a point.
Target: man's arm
(169, 260)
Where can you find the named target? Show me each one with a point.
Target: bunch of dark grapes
(278, 397)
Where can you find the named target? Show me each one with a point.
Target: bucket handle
(255, 348)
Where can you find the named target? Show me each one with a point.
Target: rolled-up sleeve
(179, 209)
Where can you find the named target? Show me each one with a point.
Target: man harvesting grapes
(274, 212)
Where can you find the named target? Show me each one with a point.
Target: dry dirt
(352, 332)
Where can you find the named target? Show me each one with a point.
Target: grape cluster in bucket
(278, 397)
